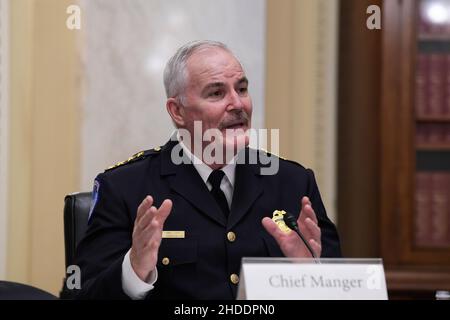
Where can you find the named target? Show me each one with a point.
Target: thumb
(271, 227)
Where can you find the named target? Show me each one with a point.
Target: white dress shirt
(132, 285)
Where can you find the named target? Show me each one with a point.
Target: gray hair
(175, 72)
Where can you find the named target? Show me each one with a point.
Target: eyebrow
(221, 84)
(213, 85)
(243, 80)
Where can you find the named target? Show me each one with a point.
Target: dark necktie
(215, 178)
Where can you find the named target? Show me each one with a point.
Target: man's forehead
(210, 52)
(213, 61)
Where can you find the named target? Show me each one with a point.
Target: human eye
(215, 94)
(243, 90)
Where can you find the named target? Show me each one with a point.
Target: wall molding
(325, 115)
(44, 139)
(301, 86)
(4, 131)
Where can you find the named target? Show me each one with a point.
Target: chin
(238, 140)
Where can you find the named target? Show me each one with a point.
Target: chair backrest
(21, 291)
(76, 213)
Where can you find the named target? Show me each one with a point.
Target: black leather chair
(20, 291)
(76, 213)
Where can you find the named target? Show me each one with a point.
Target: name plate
(306, 279)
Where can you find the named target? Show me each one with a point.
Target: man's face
(217, 94)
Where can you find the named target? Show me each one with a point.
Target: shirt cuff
(132, 285)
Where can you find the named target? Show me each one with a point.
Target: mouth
(235, 125)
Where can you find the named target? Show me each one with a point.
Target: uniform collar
(204, 170)
(247, 184)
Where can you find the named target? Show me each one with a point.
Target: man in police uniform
(161, 230)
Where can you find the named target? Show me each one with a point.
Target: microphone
(291, 222)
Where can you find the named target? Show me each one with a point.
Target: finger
(313, 229)
(146, 218)
(152, 234)
(153, 239)
(305, 201)
(160, 215)
(164, 211)
(145, 230)
(307, 212)
(272, 228)
(316, 247)
(143, 207)
(310, 213)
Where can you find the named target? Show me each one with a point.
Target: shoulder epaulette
(292, 161)
(136, 157)
(288, 160)
(271, 153)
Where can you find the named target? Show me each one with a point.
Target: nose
(234, 101)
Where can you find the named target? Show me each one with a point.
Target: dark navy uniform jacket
(200, 264)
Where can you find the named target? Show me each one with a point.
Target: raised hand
(147, 234)
(290, 243)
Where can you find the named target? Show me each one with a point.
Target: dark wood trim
(358, 131)
(390, 100)
(433, 146)
(427, 278)
(406, 120)
(433, 119)
(431, 37)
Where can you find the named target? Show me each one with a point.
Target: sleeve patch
(94, 199)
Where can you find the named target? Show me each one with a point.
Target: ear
(176, 111)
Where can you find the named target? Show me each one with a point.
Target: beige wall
(44, 138)
(4, 131)
(301, 86)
